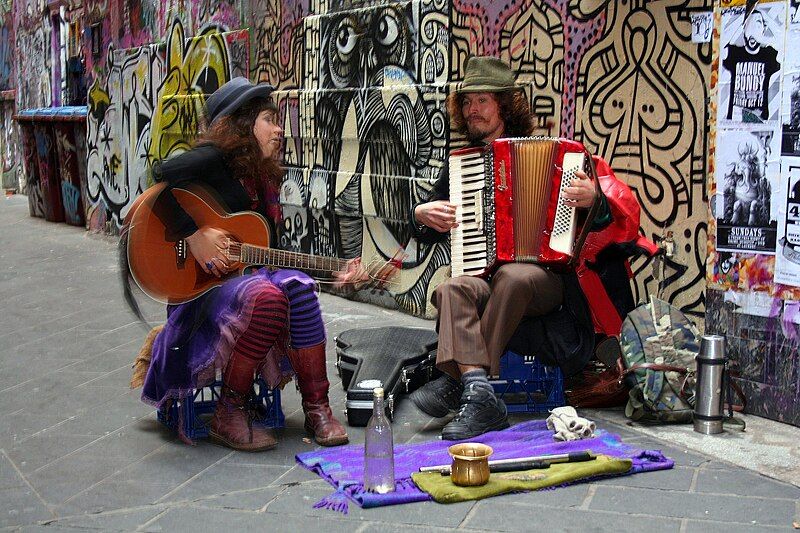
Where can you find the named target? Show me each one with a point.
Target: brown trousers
(476, 319)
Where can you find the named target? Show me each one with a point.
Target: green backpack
(659, 344)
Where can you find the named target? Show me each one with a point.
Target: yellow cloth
(444, 490)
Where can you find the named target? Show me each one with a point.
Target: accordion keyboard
(468, 240)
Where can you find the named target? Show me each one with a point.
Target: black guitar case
(399, 359)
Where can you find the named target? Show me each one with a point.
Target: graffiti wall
(364, 86)
(32, 33)
(642, 105)
(753, 264)
(148, 108)
(362, 90)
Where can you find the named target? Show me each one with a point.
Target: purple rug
(343, 467)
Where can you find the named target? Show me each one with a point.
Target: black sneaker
(481, 411)
(438, 397)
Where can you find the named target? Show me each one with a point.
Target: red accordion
(509, 202)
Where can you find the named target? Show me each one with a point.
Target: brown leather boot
(312, 379)
(232, 424)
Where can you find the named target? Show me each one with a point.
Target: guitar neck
(259, 255)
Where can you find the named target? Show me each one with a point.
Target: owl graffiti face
(361, 43)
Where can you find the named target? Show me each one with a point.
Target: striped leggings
(286, 296)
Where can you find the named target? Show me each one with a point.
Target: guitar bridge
(180, 253)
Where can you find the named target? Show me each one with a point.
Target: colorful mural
(148, 109)
(642, 104)
(13, 176)
(362, 90)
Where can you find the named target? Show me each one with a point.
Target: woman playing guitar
(249, 322)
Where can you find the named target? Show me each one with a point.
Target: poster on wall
(747, 172)
(790, 108)
(751, 53)
(787, 260)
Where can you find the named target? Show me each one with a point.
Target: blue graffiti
(42, 142)
(71, 196)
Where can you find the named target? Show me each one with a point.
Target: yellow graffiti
(195, 68)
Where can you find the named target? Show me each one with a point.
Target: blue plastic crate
(527, 386)
(194, 415)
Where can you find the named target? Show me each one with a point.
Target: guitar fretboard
(259, 255)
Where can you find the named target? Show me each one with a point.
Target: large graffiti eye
(387, 30)
(342, 51)
(346, 38)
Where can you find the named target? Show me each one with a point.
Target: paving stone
(298, 475)
(22, 425)
(198, 519)
(740, 481)
(300, 500)
(221, 479)
(110, 521)
(9, 476)
(38, 451)
(677, 478)
(116, 414)
(174, 463)
(120, 357)
(739, 509)
(290, 443)
(67, 477)
(250, 500)
(21, 506)
(110, 495)
(51, 528)
(508, 517)
(696, 526)
(382, 527)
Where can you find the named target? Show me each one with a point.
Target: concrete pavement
(79, 451)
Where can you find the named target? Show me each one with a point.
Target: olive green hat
(487, 75)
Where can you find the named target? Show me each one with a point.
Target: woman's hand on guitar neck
(378, 273)
(209, 247)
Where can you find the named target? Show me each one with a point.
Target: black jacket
(204, 166)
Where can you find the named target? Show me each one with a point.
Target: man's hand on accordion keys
(439, 215)
(581, 193)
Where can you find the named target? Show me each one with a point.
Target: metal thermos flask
(708, 411)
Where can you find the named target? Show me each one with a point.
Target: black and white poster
(787, 260)
(751, 54)
(790, 110)
(748, 169)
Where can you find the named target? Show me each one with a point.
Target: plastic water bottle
(378, 449)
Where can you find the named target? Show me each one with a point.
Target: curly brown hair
(515, 111)
(233, 134)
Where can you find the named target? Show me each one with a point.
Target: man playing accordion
(477, 317)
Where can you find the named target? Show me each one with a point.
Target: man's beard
(476, 133)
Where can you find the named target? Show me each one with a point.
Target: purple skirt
(199, 336)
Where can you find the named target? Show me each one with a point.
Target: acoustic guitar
(166, 270)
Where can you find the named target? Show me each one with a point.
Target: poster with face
(747, 172)
(751, 55)
(787, 260)
(790, 106)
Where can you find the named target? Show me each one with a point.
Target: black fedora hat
(233, 95)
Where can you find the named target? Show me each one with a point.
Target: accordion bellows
(509, 202)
